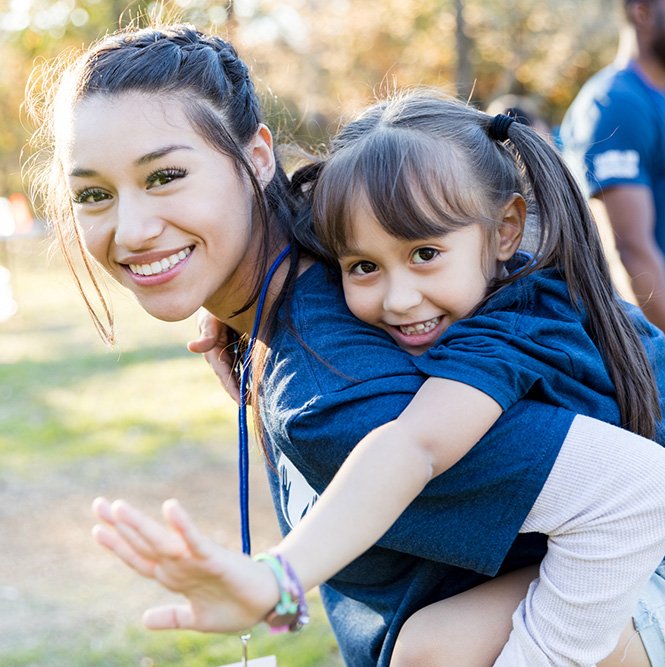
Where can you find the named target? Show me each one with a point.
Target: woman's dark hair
(221, 104)
(427, 164)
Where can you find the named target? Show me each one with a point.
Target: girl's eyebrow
(349, 251)
(81, 172)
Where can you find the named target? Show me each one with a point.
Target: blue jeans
(649, 618)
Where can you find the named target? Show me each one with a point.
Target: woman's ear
(261, 155)
(511, 228)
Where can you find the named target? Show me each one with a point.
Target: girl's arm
(384, 473)
(225, 591)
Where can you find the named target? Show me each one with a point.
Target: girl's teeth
(420, 328)
(161, 266)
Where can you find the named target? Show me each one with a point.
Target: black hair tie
(498, 129)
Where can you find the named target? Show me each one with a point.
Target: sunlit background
(147, 420)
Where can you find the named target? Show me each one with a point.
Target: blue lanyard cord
(243, 439)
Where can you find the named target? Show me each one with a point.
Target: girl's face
(167, 215)
(415, 290)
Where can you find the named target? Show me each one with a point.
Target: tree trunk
(464, 72)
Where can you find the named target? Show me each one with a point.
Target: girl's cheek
(359, 304)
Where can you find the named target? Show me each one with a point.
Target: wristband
(290, 613)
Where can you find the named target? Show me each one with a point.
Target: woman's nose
(137, 224)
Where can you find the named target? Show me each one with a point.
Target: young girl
(423, 205)
(158, 167)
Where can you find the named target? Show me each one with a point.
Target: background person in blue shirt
(613, 136)
(180, 199)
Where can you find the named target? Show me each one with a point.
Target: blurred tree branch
(315, 59)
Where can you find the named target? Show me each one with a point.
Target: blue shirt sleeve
(527, 341)
(610, 132)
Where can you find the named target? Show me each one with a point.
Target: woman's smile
(161, 266)
(169, 206)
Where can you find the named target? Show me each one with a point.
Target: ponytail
(569, 239)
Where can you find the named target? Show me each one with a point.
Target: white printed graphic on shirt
(617, 164)
(297, 497)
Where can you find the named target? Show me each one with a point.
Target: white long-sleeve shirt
(603, 507)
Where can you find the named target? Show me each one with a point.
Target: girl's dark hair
(221, 104)
(426, 164)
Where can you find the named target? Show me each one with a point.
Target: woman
(163, 172)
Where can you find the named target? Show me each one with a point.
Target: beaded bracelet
(290, 613)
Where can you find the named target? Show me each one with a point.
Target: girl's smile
(413, 289)
(418, 334)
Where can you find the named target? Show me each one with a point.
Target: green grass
(65, 400)
(65, 395)
(136, 648)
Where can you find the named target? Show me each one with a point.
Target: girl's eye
(424, 255)
(164, 176)
(363, 268)
(90, 196)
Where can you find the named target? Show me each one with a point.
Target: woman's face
(167, 215)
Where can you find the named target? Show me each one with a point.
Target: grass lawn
(145, 421)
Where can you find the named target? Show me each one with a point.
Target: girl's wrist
(290, 612)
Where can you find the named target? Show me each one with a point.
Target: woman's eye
(424, 255)
(363, 268)
(164, 176)
(90, 196)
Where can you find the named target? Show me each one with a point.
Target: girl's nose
(401, 296)
(137, 225)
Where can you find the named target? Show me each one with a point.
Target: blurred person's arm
(631, 214)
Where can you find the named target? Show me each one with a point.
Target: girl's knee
(422, 643)
(412, 647)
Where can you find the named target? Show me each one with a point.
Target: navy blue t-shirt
(331, 379)
(528, 340)
(614, 134)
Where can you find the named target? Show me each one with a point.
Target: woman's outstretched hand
(226, 591)
(214, 342)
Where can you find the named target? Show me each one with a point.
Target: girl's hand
(225, 591)
(214, 341)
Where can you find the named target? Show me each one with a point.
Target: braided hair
(221, 103)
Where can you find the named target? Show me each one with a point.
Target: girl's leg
(466, 630)
(629, 652)
(470, 629)
(603, 509)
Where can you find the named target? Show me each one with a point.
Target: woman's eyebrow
(82, 172)
(161, 152)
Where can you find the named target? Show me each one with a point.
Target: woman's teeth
(163, 265)
(420, 328)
